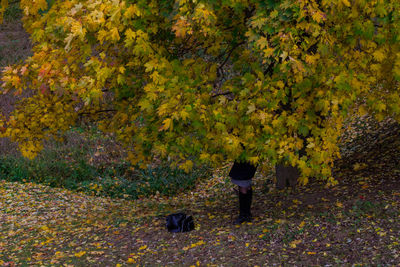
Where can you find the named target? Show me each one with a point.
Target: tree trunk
(286, 176)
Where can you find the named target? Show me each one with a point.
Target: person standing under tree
(241, 174)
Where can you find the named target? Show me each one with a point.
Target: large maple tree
(208, 81)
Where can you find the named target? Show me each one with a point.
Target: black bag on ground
(179, 222)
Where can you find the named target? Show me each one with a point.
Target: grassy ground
(87, 161)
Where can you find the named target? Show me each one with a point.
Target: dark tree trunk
(286, 176)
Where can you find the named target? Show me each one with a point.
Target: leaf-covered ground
(357, 222)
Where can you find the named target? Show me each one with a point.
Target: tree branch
(229, 55)
(222, 93)
(98, 111)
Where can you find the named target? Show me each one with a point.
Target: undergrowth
(13, 12)
(121, 180)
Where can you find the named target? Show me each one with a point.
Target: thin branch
(222, 93)
(229, 54)
(98, 111)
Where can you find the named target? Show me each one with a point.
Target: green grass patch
(121, 180)
(13, 12)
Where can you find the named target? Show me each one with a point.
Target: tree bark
(286, 176)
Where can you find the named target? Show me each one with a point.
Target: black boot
(244, 207)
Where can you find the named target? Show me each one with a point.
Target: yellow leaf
(201, 242)
(262, 42)
(187, 166)
(167, 124)
(131, 11)
(362, 110)
(312, 59)
(184, 114)
(359, 166)
(380, 106)
(294, 243)
(268, 52)
(365, 186)
(318, 17)
(115, 34)
(130, 260)
(274, 14)
(77, 29)
(301, 225)
(143, 247)
(150, 65)
(379, 55)
(58, 255)
(80, 254)
(311, 145)
(254, 160)
(346, 3)
(280, 84)
(259, 22)
(181, 27)
(130, 37)
(251, 109)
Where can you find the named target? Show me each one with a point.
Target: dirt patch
(15, 44)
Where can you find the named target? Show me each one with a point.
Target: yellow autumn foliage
(208, 81)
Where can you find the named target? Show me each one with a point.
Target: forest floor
(355, 222)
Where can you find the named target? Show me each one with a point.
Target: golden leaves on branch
(210, 81)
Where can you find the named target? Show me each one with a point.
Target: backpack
(179, 222)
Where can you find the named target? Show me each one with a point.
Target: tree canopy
(208, 81)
